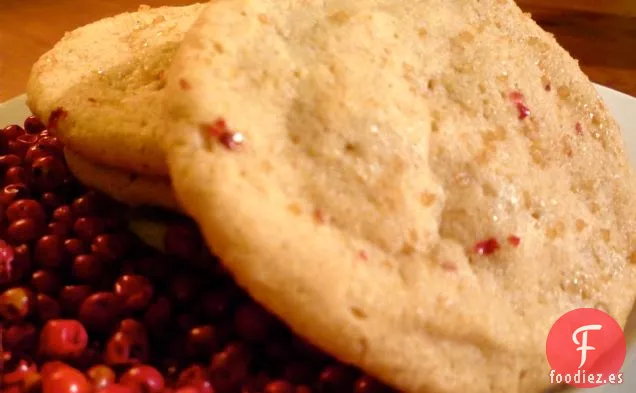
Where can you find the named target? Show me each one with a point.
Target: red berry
(50, 367)
(22, 261)
(229, 367)
(111, 247)
(118, 388)
(87, 228)
(122, 349)
(50, 201)
(88, 204)
(24, 142)
(13, 192)
(16, 175)
(65, 380)
(43, 281)
(50, 143)
(16, 304)
(11, 132)
(134, 329)
(143, 377)
(46, 307)
(63, 339)
(35, 152)
(14, 369)
(32, 382)
(64, 215)
(190, 389)
(26, 208)
(195, 377)
(88, 268)
(279, 386)
(50, 251)
(158, 315)
(71, 297)
(92, 355)
(7, 264)
(20, 338)
(58, 229)
(48, 173)
(99, 311)
(201, 341)
(101, 376)
(74, 247)
(24, 230)
(9, 160)
(134, 291)
(33, 125)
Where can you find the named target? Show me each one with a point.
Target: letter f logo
(583, 343)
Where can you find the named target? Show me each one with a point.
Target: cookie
(108, 77)
(421, 188)
(129, 188)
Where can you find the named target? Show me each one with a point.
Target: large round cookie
(129, 188)
(420, 187)
(108, 77)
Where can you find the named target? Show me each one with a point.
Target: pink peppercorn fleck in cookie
(421, 188)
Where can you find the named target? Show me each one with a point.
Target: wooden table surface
(600, 33)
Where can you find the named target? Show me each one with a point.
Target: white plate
(621, 105)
